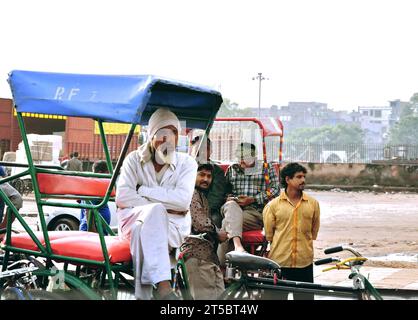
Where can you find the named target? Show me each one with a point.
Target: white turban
(161, 118)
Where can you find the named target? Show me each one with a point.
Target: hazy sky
(344, 53)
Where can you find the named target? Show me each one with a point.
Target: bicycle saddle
(247, 261)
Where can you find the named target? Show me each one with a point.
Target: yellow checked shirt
(291, 230)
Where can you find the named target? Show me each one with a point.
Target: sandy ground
(375, 224)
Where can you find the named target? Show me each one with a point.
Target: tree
(339, 134)
(405, 131)
(230, 109)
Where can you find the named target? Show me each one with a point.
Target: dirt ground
(375, 224)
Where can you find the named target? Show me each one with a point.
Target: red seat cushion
(253, 236)
(88, 247)
(72, 185)
(77, 244)
(24, 241)
(224, 167)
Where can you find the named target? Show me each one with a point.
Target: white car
(65, 219)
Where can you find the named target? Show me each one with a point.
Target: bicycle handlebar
(342, 248)
(333, 249)
(325, 261)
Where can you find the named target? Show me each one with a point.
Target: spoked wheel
(65, 285)
(37, 294)
(14, 293)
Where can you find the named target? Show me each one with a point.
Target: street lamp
(259, 77)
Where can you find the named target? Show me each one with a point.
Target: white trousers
(153, 234)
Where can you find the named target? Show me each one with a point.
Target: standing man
(244, 206)
(202, 263)
(153, 194)
(291, 223)
(74, 164)
(216, 194)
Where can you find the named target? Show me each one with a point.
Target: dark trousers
(298, 274)
(293, 274)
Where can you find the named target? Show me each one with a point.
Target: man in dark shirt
(202, 263)
(216, 194)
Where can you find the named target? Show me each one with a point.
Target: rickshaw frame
(145, 94)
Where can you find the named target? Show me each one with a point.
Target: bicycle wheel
(14, 293)
(18, 184)
(65, 285)
(37, 294)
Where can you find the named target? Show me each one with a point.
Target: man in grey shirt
(74, 164)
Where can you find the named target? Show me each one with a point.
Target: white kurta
(143, 217)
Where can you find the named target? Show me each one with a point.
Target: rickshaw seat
(24, 241)
(253, 236)
(73, 185)
(254, 239)
(224, 167)
(77, 244)
(89, 247)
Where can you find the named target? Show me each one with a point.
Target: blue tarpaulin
(112, 98)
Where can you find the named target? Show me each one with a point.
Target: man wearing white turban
(153, 194)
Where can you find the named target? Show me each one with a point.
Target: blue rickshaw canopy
(112, 98)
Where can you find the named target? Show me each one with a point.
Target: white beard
(161, 158)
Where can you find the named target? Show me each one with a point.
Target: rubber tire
(71, 223)
(37, 294)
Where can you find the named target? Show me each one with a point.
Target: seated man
(98, 167)
(153, 195)
(217, 192)
(14, 196)
(244, 206)
(202, 263)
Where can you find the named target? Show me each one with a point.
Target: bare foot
(237, 244)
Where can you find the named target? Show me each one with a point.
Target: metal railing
(346, 153)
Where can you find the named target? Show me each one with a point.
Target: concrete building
(375, 122)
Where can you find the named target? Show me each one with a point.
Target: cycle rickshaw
(90, 264)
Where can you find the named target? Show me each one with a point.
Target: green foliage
(340, 134)
(405, 131)
(231, 109)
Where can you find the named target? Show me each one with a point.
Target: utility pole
(260, 78)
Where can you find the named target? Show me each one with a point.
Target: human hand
(231, 197)
(222, 235)
(245, 200)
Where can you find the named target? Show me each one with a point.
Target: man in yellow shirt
(291, 223)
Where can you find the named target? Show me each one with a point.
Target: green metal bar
(32, 171)
(75, 173)
(68, 205)
(72, 281)
(107, 264)
(105, 146)
(234, 287)
(15, 176)
(25, 165)
(12, 209)
(70, 197)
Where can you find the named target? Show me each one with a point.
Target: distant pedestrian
(98, 167)
(74, 164)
